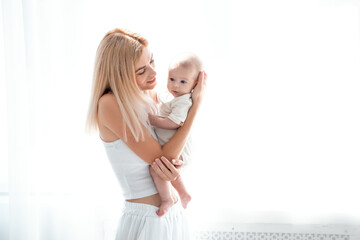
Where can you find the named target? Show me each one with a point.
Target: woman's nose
(153, 72)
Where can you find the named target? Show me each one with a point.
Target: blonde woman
(121, 100)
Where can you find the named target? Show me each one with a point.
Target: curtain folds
(19, 141)
(46, 149)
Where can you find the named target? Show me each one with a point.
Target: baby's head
(184, 70)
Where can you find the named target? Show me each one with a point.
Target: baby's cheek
(190, 88)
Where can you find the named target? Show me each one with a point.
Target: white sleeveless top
(132, 172)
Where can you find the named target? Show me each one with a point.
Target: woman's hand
(198, 91)
(166, 170)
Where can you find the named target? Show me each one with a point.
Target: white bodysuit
(176, 110)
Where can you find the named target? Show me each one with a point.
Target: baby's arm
(162, 122)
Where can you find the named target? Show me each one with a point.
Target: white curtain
(277, 139)
(49, 182)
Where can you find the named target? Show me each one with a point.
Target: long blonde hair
(114, 71)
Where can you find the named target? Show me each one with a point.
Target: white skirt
(140, 222)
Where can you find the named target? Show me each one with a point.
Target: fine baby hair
(187, 60)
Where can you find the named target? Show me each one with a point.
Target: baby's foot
(185, 199)
(164, 207)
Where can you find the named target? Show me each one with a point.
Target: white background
(277, 139)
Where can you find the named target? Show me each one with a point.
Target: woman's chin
(151, 87)
(151, 84)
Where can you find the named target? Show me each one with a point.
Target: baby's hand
(152, 119)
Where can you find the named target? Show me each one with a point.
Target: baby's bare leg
(185, 197)
(163, 188)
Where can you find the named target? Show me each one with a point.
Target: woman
(121, 100)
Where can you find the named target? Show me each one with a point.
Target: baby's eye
(183, 81)
(171, 79)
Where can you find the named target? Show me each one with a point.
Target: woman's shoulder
(107, 100)
(109, 117)
(108, 106)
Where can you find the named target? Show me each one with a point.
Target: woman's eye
(183, 81)
(171, 79)
(142, 72)
(152, 61)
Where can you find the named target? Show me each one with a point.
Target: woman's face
(145, 71)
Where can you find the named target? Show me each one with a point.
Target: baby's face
(181, 81)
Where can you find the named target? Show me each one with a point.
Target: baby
(183, 74)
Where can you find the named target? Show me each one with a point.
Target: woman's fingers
(158, 171)
(165, 169)
(202, 78)
(165, 174)
(168, 164)
(172, 172)
(177, 162)
(205, 79)
(199, 88)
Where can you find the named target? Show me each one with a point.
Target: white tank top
(132, 172)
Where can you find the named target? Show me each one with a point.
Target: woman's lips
(152, 81)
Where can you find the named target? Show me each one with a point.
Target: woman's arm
(110, 118)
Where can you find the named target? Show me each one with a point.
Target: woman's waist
(141, 210)
(153, 200)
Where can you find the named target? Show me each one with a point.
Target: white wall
(277, 138)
